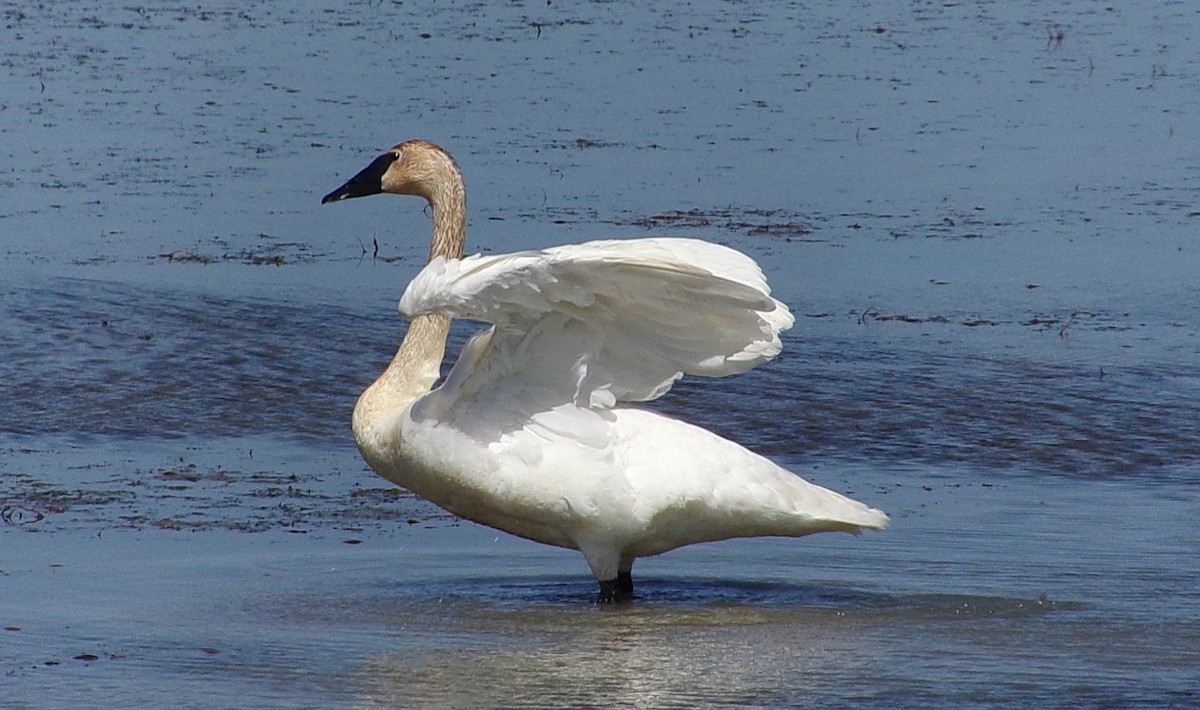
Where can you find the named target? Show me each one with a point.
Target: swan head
(410, 168)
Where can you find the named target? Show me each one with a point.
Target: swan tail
(823, 510)
(778, 502)
(834, 510)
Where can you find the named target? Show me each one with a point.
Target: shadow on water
(101, 359)
(558, 601)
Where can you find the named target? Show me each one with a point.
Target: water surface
(983, 214)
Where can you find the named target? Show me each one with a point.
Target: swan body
(535, 430)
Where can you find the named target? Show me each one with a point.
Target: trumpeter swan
(533, 430)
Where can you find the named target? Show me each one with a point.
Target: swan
(534, 430)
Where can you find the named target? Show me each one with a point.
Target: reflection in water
(625, 657)
(747, 646)
(615, 667)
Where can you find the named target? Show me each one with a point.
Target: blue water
(986, 229)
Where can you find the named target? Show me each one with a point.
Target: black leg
(619, 590)
(616, 591)
(609, 592)
(625, 583)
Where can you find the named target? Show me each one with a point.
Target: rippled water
(983, 214)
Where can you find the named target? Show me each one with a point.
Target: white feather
(532, 418)
(626, 319)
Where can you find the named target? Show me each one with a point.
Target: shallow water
(987, 232)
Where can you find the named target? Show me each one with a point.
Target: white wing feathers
(609, 320)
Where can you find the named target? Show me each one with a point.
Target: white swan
(532, 431)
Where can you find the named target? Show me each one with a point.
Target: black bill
(369, 180)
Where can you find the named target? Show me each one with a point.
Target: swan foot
(616, 591)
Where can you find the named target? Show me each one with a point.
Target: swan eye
(397, 155)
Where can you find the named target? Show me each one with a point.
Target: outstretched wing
(602, 322)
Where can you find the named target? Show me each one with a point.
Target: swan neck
(416, 367)
(448, 201)
(412, 372)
